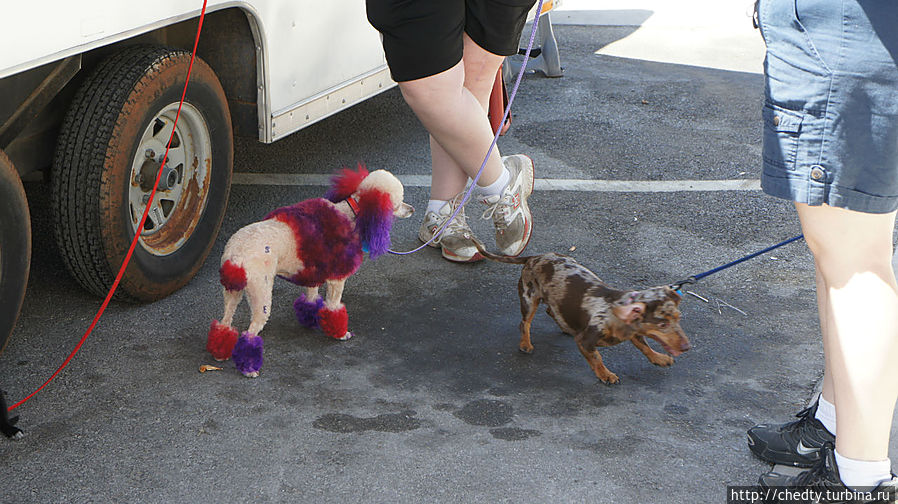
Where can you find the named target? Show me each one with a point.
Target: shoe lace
(805, 426)
(814, 477)
(458, 225)
(499, 211)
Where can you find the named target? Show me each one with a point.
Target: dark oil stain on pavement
(514, 433)
(676, 409)
(391, 422)
(486, 412)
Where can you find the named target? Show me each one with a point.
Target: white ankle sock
(826, 413)
(435, 205)
(498, 186)
(865, 474)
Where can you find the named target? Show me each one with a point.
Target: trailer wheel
(15, 247)
(108, 154)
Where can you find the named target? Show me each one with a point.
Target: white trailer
(88, 95)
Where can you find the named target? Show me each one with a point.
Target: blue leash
(691, 280)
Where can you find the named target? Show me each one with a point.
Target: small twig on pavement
(696, 295)
(731, 306)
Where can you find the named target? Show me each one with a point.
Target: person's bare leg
(452, 106)
(827, 394)
(853, 253)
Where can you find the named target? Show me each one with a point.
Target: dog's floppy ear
(628, 309)
(345, 183)
(374, 221)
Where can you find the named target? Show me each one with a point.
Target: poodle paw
(221, 340)
(345, 336)
(307, 311)
(247, 354)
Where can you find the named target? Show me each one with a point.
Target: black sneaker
(822, 484)
(795, 443)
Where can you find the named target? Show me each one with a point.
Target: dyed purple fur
(326, 241)
(307, 311)
(374, 228)
(247, 353)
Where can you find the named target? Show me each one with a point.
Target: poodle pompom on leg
(247, 354)
(221, 340)
(335, 322)
(307, 311)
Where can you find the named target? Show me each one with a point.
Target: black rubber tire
(91, 172)
(15, 247)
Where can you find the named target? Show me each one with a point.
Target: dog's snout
(404, 211)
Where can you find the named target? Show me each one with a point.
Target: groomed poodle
(313, 242)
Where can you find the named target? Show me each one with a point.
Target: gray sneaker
(455, 241)
(509, 210)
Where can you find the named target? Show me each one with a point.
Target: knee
(420, 98)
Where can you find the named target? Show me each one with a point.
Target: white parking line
(579, 185)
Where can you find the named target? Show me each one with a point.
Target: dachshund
(594, 313)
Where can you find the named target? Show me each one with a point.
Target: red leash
(146, 211)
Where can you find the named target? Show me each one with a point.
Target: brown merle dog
(594, 313)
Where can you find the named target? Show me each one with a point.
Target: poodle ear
(345, 183)
(374, 221)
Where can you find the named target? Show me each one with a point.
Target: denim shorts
(424, 37)
(831, 102)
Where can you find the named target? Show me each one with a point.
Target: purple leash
(514, 91)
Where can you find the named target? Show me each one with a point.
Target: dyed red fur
(346, 183)
(334, 323)
(374, 221)
(233, 276)
(221, 340)
(326, 241)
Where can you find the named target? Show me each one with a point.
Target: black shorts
(424, 37)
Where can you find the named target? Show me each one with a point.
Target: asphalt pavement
(431, 401)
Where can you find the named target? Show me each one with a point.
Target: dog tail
(232, 276)
(499, 258)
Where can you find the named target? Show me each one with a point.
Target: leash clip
(679, 285)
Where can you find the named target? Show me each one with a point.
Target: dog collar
(353, 204)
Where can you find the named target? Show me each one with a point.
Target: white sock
(435, 205)
(498, 186)
(826, 413)
(865, 474)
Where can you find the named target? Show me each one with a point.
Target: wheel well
(228, 44)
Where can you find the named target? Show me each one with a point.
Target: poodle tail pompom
(233, 276)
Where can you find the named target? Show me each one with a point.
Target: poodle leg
(332, 316)
(258, 293)
(334, 293)
(231, 300)
(222, 337)
(247, 354)
(307, 306)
